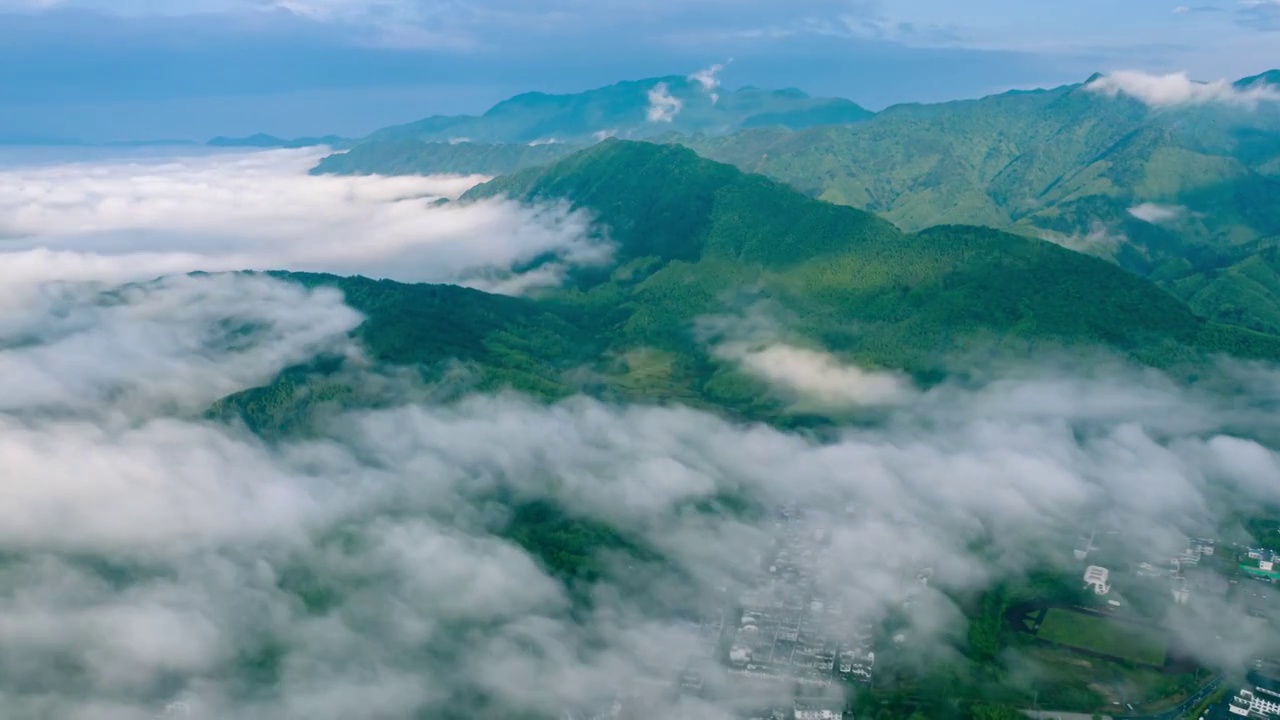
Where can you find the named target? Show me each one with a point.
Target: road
(1181, 710)
(1175, 713)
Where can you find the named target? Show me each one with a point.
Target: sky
(189, 69)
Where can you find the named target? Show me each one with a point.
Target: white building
(1096, 577)
(1247, 703)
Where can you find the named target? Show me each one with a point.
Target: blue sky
(132, 69)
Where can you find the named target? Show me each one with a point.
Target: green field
(1106, 637)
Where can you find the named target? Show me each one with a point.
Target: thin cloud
(663, 106)
(1099, 240)
(1177, 89)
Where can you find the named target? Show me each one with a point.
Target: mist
(154, 558)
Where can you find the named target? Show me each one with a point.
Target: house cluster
(811, 709)
(1261, 563)
(786, 629)
(1187, 577)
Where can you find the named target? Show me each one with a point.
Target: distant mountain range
(1183, 194)
(634, 110)
(262, 140)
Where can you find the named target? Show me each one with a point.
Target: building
(1265, 565)
(1259, 703)
(818, 710)
(1096, 577)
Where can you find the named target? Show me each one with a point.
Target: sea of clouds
(153, 558)
(137, 218)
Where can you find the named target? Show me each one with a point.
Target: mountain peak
(1269, 77)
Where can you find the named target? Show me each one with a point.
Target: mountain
(534, 128)
(1168, 193)
(1039, 161)
(410, 157)
(698, 239)
(1270, 77)
(262, 140)
(633, 109)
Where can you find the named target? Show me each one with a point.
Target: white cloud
(133, 220)
(1177, 89)
(1099, 240)
(663, 106)
(818, 377)
(150, 553)
(1157, 214)
(708, 77)
(152, 556)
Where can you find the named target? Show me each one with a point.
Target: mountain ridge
(697, 239)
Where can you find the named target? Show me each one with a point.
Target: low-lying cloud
(157, 558)
(1157, 214)
(1178, 89)
(122, 220)
(1099, 240)
(407, 561)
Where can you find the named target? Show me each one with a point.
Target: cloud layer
(153, 557)
(123, 220)
(408, 561)
(1177, 89)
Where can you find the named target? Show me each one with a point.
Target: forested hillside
(696, 238)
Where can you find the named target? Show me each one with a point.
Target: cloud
(119, 220)
(1261, 15)
(154, 557)
(1157, 214)
(1099, 240)
(817, 377)
(1177, 89)
(709, 79)
(387, 564)
(663, 106)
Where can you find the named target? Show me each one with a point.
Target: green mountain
(1047, 160)
(634, 109)
(414, 157)
(696, 238)
(1168, 193)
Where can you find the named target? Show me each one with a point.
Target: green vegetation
(622, 109)
(1101, 635)
(411, 156)
(1064, 164)
(697, 238)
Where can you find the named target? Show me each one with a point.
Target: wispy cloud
(1259, 14)
(1177, 89)
(1099, 240)
(709, 79)
(663, 106)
